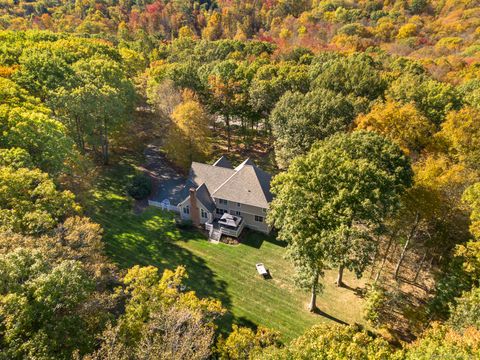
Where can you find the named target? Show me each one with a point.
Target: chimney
(194, 211)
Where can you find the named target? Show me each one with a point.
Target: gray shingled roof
(223, 162)
(212, 176)
(246, 184)
(204, 197)
(249, 185)
(246, 162)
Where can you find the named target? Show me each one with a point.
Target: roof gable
(223, 162)
(246, 184)
(203, 196)
(249, 185)
(211, 176)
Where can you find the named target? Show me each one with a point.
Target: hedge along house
(227, 199)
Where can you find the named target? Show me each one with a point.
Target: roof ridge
(220, 186)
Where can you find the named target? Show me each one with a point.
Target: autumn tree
(328, 202)
(15, 158)
(461, 131)
(403, 124)
(188, 137)
(160, 321)
(228, 93)
(244, 343)
(333, 342)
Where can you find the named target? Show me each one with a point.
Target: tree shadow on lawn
(151, 238)
(317, 311)
(255, 239)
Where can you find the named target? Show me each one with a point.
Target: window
(203, 213)
(258, 218)
(186, 210)
(223, 202)
(220, 211)
(264, 210)
(238, 204)
(237, 213)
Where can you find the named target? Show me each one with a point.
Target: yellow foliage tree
(461, 131)
(189, 134)
(407, 30)
(403, 124)
(213, 30)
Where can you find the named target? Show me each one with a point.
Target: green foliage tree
(433, 98)
(30, 203)
(298, 120)
(357, 75)
(42, 137)
(466, 312)
(329, 200)
(16, 158)
(40, 307)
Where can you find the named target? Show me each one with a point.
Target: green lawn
(222, 271)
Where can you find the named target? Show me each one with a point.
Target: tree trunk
(404, 250)
(105, 143)
(312, 307)
(229, 141)
(417, 273)
(81, 142)
(384, 259)
(339, 281)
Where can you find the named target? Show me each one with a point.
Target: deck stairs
(215, 235)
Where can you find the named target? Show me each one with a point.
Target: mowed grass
(221, 271)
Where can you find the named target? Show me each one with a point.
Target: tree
(44, 138)
(244, 343)
(461, 131)
(329, 201)
(298, 120)
(43, 71)
(433, 98)
(188, 137)
(356, 75)
(16, 158)
(98, 105)
(40, 307)
(228, 92)
(161, 321)
(466, 312)
(333, 342)
(443, 342)
(403, 124)
(30, 202)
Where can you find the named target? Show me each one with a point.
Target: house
(227, 199)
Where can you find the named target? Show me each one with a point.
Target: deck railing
(227, 231)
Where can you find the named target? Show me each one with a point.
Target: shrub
(374, 302)
(140, 187)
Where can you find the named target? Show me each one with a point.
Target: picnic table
(261, 269)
